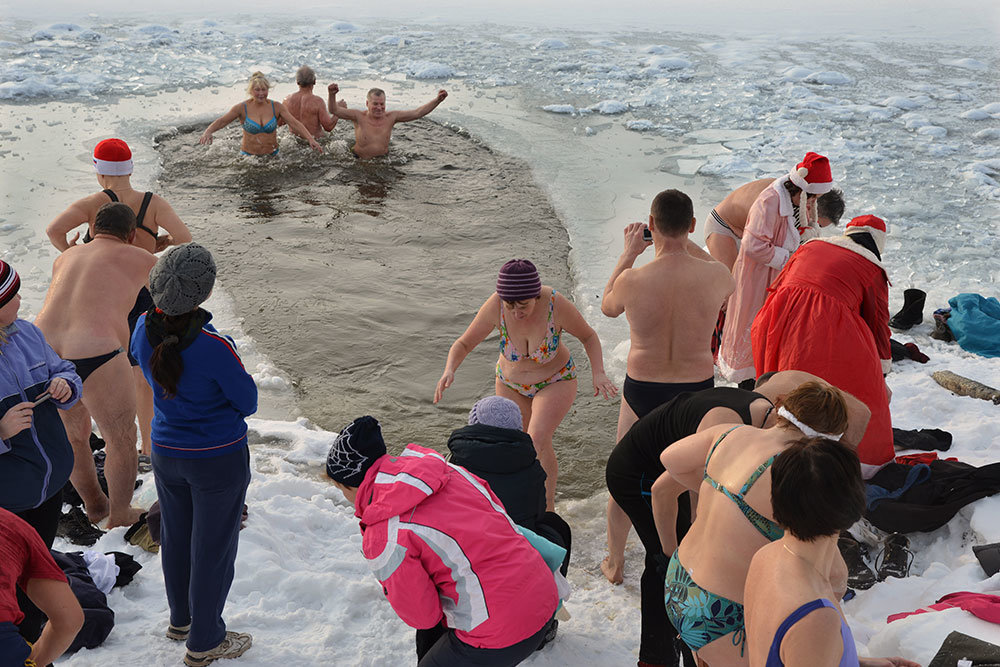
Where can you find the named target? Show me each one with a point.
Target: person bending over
(26, 564)
(373, 126)
(672, 304)
(793, 615)
(451, 562)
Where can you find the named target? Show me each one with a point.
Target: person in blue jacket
(201, 462)
(35, 455)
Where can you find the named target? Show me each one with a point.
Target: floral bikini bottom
(567, 372)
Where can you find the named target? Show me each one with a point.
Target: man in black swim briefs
(672, 304)
(84, 318)
(113, 164)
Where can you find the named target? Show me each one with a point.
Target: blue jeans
(201, 504)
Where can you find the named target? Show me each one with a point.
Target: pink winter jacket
(440, 542)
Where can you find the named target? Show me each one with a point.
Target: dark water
(355, 278)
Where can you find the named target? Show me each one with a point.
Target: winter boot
(895, 558)
(859, 575)
(912, 311)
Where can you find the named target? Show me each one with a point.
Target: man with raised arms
(113, 164)
(307, 107)
(85, 320)
(724, 228)
(672, 304)
(373, 126)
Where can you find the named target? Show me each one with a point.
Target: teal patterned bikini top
(545, 351)
(764, 526)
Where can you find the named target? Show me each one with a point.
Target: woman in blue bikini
(532, 316)
(259, 116)
(793, 615)
(706, 575)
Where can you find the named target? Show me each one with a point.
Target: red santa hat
(871, 224)
(813, 174)
(112, 157)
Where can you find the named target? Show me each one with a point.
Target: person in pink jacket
(779, 220)
(451, 562)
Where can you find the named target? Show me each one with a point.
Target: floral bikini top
(545, 351)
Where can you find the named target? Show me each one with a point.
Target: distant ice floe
(984, 112)
(560, 108)
(726, 165)
(967, 63)
(986, 175)
(991, 134)
(430, 70)
(609, 107)
(641, 125)
(905, 103)
(343, 26)
(66, 31)
(932, 131)
(667, 63)
(808, 75)
(551, 43)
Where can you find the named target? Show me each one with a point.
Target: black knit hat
(354, 451)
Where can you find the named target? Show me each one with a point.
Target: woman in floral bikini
(543, 381)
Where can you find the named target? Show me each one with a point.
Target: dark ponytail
(166, 364)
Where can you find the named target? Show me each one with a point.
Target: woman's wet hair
(257, 79)
(816, 488)
(166, 363)
(818, 406)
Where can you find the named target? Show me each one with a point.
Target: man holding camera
(672, 304)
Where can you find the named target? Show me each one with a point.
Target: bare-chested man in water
(113, 164)
(84, 319)
(724, 227)
(672, 304)
(373, 127)
(309, 108)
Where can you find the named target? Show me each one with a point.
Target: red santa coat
(828, 313)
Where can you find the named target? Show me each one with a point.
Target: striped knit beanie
(10, 283)
(518, 281)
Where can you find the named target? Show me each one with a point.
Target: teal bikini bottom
(699, 616)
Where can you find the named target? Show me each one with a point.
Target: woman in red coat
(828, 313)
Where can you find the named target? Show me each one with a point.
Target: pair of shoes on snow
(893, 561)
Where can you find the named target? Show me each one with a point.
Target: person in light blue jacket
(36, 458)
(201, 463)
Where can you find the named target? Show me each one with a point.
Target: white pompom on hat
(871, 224)
(112, 157)
(813, 174)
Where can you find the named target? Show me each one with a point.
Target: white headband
(806, 430)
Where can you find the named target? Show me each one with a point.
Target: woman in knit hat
(259, 117)
(201, 462)
(535, 369)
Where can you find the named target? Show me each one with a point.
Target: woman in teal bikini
(707, 573)
(532, 316)
(259, 116)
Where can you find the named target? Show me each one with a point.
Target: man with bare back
(672, 304)
(309, 108)
(724, 228)
(85, 320)
(373, 126)
(113, 164)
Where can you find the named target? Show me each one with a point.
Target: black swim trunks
(84, 367)
(644, 397)
(143, 302)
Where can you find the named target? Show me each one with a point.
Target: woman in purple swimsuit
(792, 615)
(532, 316)
(259, 116)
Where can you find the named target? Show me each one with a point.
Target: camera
(647, 235)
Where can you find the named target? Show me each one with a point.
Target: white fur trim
(108, 168)
(806, 430)
(848, 244)
(877, 235)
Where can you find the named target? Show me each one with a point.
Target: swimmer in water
(373, 127)
(260, 121)
(309, 108)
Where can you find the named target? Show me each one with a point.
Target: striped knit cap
(518, 281)
(10, 283)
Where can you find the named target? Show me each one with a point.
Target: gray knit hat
(182, 279)
(496, 411)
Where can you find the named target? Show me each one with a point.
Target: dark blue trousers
(201, 503)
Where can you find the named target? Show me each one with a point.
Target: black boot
(912, 311)
(859, 575)
(896, 557)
